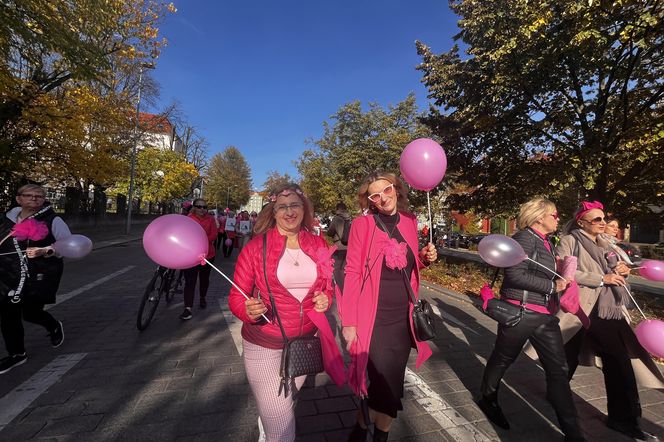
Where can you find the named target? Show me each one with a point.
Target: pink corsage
(30, 229)
(325, 263)
(395, 254)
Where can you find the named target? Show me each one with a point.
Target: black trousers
(202, 273)
(608, 337)
(339, 268)
(11, 322)
(544, 334)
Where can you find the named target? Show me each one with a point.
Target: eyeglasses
(387, 191)
(199, 206)
(32, 196)
(283, 208)
(597, 220)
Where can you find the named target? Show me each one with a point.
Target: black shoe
(203, 303)
(57, 336)
(358, 434)
(12, 361)
(186, 314)
(494, 413)
(631, 430)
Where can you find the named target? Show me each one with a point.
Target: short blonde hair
(363, 192)
(30, 187)
(534, 209)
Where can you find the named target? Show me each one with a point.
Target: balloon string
(12, 253)
(234, 285)
(545, 267)
(634, 301)
(5, 238)
(430, 223)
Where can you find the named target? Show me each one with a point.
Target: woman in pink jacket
(199, 213)
(376, 309)
(298, 268)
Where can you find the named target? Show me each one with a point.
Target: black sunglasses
(597, 220)
(200, 207)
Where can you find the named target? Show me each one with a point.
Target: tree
(355, 144)
(228, 179)
(161, 176)
(48, 49)
(275, 179)
(561, 98)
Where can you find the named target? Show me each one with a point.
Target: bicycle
(164, 282)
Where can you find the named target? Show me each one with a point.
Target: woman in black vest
(537, 219)
(29, 280)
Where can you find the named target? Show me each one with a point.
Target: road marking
(67, 296)
(447, 417)
(17, 400)
(234, 324)
(512, 389)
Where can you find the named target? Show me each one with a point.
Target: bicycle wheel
(150, 300)
(175, 285)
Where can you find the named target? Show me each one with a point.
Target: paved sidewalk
(185, 380)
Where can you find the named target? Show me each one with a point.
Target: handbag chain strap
(269, 292)
(406, 279)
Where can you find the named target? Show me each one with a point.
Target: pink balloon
(175, 241)
(651, 336)
(652, 270)
(228, 242)
(73, 246)
(423, 163)
(501, 251)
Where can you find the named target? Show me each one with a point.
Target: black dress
(391, 339)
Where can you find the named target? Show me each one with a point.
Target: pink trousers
(276, 412)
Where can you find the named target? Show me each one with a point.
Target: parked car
(632, 251)
(453, 240)
(475, 239)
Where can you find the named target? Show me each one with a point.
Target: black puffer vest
(43, 276)
(528, 275)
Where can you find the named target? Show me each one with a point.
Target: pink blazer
(360, 301)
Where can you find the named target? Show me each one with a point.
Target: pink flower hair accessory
(395, 254)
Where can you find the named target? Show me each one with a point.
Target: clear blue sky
(264, 75)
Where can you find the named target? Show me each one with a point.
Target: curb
(113, 242)
(451, 293)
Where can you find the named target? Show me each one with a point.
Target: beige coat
(589, 277)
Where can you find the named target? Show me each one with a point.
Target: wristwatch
(50, 252)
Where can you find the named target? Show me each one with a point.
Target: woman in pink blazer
(375, 307)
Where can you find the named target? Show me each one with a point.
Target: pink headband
(285, 192)
(587, 206)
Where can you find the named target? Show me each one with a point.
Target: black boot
(358, 434)
(379, 435)
(630, 429)
(492, 410)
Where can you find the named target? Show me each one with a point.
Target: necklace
(297, 257)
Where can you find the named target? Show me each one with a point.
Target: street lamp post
(130, 195)
(228, 194)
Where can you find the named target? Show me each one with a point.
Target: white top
(297, 279)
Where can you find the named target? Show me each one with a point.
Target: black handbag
(503, 312)
(422, 312)
(300, 356)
